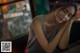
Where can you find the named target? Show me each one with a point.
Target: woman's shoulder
(37, 18)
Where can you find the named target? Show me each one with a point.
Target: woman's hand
(66, 34)
(72, 19)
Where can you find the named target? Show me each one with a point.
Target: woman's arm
(48, 47)
(65, 38)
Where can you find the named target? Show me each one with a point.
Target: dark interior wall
(75, 32)
(20, 44)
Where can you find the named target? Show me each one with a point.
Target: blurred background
(17, 15)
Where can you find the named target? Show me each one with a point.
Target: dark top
(33, 44)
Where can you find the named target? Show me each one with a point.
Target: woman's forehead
(70, 9)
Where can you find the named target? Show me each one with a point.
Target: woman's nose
(66, 17)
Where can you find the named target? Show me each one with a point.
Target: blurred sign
(19, 18)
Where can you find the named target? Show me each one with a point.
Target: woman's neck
(50, 18)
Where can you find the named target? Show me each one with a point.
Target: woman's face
(64, 14)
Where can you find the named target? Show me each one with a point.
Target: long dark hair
(63, 4)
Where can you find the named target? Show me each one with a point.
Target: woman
(50, 33)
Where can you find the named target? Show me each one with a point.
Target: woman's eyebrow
(65, 10)
(68, 10)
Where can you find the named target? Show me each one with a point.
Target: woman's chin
(59, 21)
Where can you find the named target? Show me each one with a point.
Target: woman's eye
(69, 15)
(65, 11)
